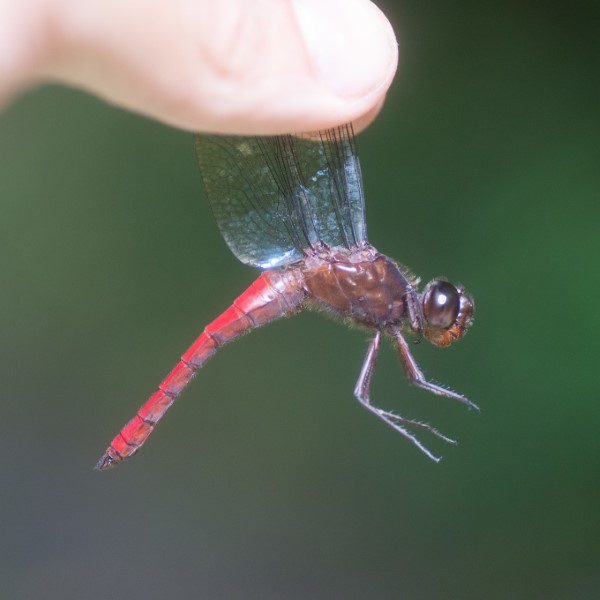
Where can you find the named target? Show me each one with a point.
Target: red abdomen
(273, 295)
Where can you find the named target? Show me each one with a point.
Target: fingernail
(351, 44)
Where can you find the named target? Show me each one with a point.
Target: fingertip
(231, 66)
(362, 122)
(291, 67)
(351, 45)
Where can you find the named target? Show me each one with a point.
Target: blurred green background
(267, 480)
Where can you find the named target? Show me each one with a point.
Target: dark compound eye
(441, 304)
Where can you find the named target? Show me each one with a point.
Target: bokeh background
(267, 480)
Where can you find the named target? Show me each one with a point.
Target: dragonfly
(293, 206)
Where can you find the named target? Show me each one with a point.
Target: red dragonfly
(294, 207)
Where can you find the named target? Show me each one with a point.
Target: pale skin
(220, 66)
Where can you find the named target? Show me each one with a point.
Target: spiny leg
(414, 312)
(397, 422)
(415, 376)
(363, 385)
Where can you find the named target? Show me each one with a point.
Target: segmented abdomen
(273, 295)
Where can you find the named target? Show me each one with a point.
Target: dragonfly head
(447, 312)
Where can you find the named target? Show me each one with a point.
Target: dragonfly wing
(246, 202)
(334, 181)
(274, 197)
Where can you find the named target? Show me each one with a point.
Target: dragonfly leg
(414, 311)
(415, 376)
(397, 422)
(363, 385)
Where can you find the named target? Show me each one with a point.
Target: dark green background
(268, 480)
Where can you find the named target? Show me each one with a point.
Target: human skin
(219, 66)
